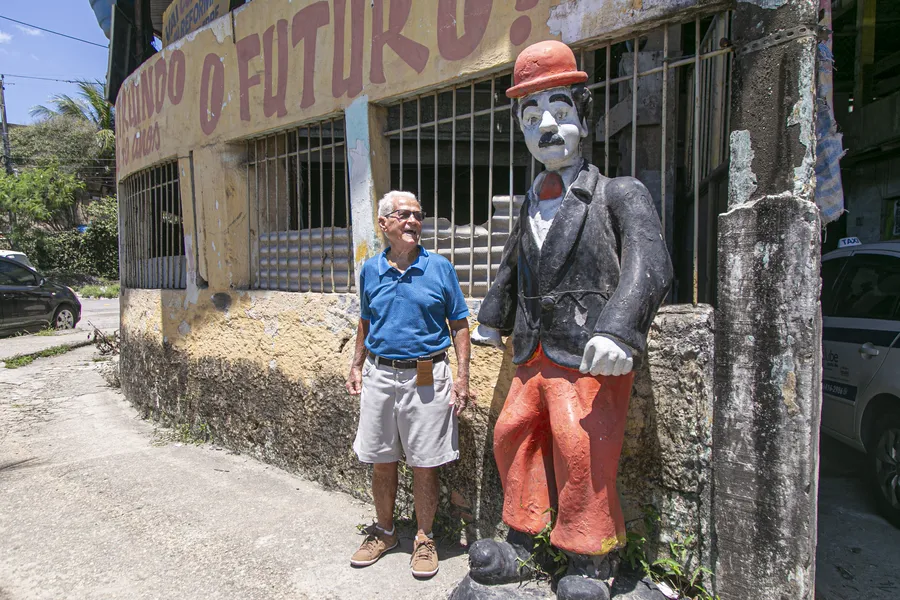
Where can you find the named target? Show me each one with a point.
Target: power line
(55, 32)
(42, 78)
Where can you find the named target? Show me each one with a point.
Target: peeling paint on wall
(575, 20)
(802, 115)
(741, 178)
(192, 292)
(362, 187)
(771, 4)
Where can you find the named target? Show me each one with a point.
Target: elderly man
(582, 275)
(410, 306)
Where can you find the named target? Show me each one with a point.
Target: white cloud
(29, 30)
(33, 57)
(5, 38)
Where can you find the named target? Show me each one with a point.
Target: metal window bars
(151, 229)
(457, 147)
(297, 183)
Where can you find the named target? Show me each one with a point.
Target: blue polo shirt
(408, 312)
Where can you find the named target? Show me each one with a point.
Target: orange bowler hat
(542, 66)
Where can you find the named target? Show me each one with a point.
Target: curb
(70, 347)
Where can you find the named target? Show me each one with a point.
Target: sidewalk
(31, 343)
(97, 503)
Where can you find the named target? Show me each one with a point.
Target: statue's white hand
(487, 336)
(605, 356)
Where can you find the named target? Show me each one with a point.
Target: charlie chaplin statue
(581, 278)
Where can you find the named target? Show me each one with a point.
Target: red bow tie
(551, 186)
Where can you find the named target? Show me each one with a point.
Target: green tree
(86, 124)
(101, 239)
(43, 196)
(63, 141)
(91, 106)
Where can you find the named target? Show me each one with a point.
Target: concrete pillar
(220, 207)
(368, 151)
(768, 324)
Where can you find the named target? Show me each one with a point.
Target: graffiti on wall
(184, 16)
(296, 61)
(161, 85)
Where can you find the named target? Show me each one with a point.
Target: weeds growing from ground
(673, 570)
(110, 290)
(26, 359)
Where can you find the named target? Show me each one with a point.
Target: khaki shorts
(396, 417)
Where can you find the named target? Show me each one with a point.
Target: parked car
(28, 299)
(17, 256)
(861, 360)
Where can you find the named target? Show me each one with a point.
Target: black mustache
(551, 139)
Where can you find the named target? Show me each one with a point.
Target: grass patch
(110, 290)
(46, 331)
(26, 359)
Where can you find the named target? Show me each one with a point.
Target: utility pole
(5, 133)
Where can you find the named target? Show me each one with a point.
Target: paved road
(102, 312)
(858, 551)
(96, 503)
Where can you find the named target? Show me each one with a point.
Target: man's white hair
(386, 205)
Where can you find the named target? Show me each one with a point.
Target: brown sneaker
(375, 545)
(424, 560)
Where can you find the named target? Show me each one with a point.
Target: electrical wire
(41, 78)
(55, 32)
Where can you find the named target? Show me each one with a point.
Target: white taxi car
(861, 360)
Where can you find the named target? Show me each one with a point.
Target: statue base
(628, 586)
(469, 589)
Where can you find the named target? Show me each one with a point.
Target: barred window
(461, 152)
(151, 229)
(300, 236)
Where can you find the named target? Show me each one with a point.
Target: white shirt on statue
(540, 217)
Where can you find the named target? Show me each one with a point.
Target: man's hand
(461, 395)
(605, 356)
(354, 381)
(487, 336)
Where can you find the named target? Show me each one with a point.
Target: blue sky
(36, 53)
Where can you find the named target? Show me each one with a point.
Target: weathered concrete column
(768, 325)
(368, 152)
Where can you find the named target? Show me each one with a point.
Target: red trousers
(557, 444)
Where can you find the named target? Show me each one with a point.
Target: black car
(27, 300)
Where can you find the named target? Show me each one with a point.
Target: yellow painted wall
(185, 16)
(191, 95)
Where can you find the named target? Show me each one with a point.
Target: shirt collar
(420, 263)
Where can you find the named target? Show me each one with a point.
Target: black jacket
(603, 268)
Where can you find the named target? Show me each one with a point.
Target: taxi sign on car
(848, 241)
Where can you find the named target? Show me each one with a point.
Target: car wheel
(64, 318)
(884, 459)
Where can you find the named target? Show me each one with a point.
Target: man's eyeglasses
(403, 215)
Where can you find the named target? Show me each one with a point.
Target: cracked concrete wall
(768, 323)
(263, 373)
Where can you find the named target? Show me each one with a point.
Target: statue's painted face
(552, 128)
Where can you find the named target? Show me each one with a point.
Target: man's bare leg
(384, 490)
(425, 496)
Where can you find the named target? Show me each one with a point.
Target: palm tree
(91, 106)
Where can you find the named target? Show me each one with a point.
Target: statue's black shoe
(495, 563)
(576, 587)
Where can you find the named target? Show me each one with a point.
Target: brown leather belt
(407, 364)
